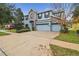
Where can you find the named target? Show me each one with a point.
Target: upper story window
(53, 14)
(56, 14)
(40, 16)
(59, 15)
(32, 15)
(26, 17)
(22, 18)
(46, 14)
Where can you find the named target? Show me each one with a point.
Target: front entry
(32, 25)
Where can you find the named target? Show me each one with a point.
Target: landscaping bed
(71, 36)
(12, 30)
(18, 31)
(22, 30)
(3, 33)
(60, 51)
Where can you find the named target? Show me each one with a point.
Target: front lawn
(12, 30)
(3, 33)
(69, 37)
(18, 31)
(60, 51)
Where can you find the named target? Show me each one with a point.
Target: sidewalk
(65, 44)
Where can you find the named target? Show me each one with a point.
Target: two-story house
(44, 21)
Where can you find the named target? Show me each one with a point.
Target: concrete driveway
(27, 44)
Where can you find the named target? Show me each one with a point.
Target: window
(26, 17)
(39, 16)
(26, 25)
(22, 23)
(53, 13)
(59, 15)
(46, 14)
(56, 14)
(32, 16)
(22, 18)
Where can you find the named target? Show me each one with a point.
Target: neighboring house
(44, 21)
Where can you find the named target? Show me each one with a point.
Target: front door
(32, 25)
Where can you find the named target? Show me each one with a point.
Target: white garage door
(56, 27)
(43, 27)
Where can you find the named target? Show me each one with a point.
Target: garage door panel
(56, 27)
(46, 27)
(43, 27)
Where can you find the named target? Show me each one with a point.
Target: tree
(5, 13)
(67, 12)
(66, 7)
(19, 17)
(76, 12)
(75, 24)
(2, 6)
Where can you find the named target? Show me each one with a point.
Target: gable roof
(54, 12)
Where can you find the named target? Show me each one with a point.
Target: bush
(77, 32)
(65, 30)
(18, 26)
(22, 30)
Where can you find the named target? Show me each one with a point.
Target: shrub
(77, 32)
(18, 26)
(65, 30)
(22, 30)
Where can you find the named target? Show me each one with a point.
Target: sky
(25, 7)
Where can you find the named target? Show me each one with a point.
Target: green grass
(69, 37)
(12, 30)
(3, 33)
(18, 31)
(60, 51)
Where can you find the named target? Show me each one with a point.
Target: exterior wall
(43, 16)
(26, 22)
(32, 19)
(32, 15)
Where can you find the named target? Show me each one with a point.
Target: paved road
(27, 44)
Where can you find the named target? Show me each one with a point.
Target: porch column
(35, 25)
(50, 25)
